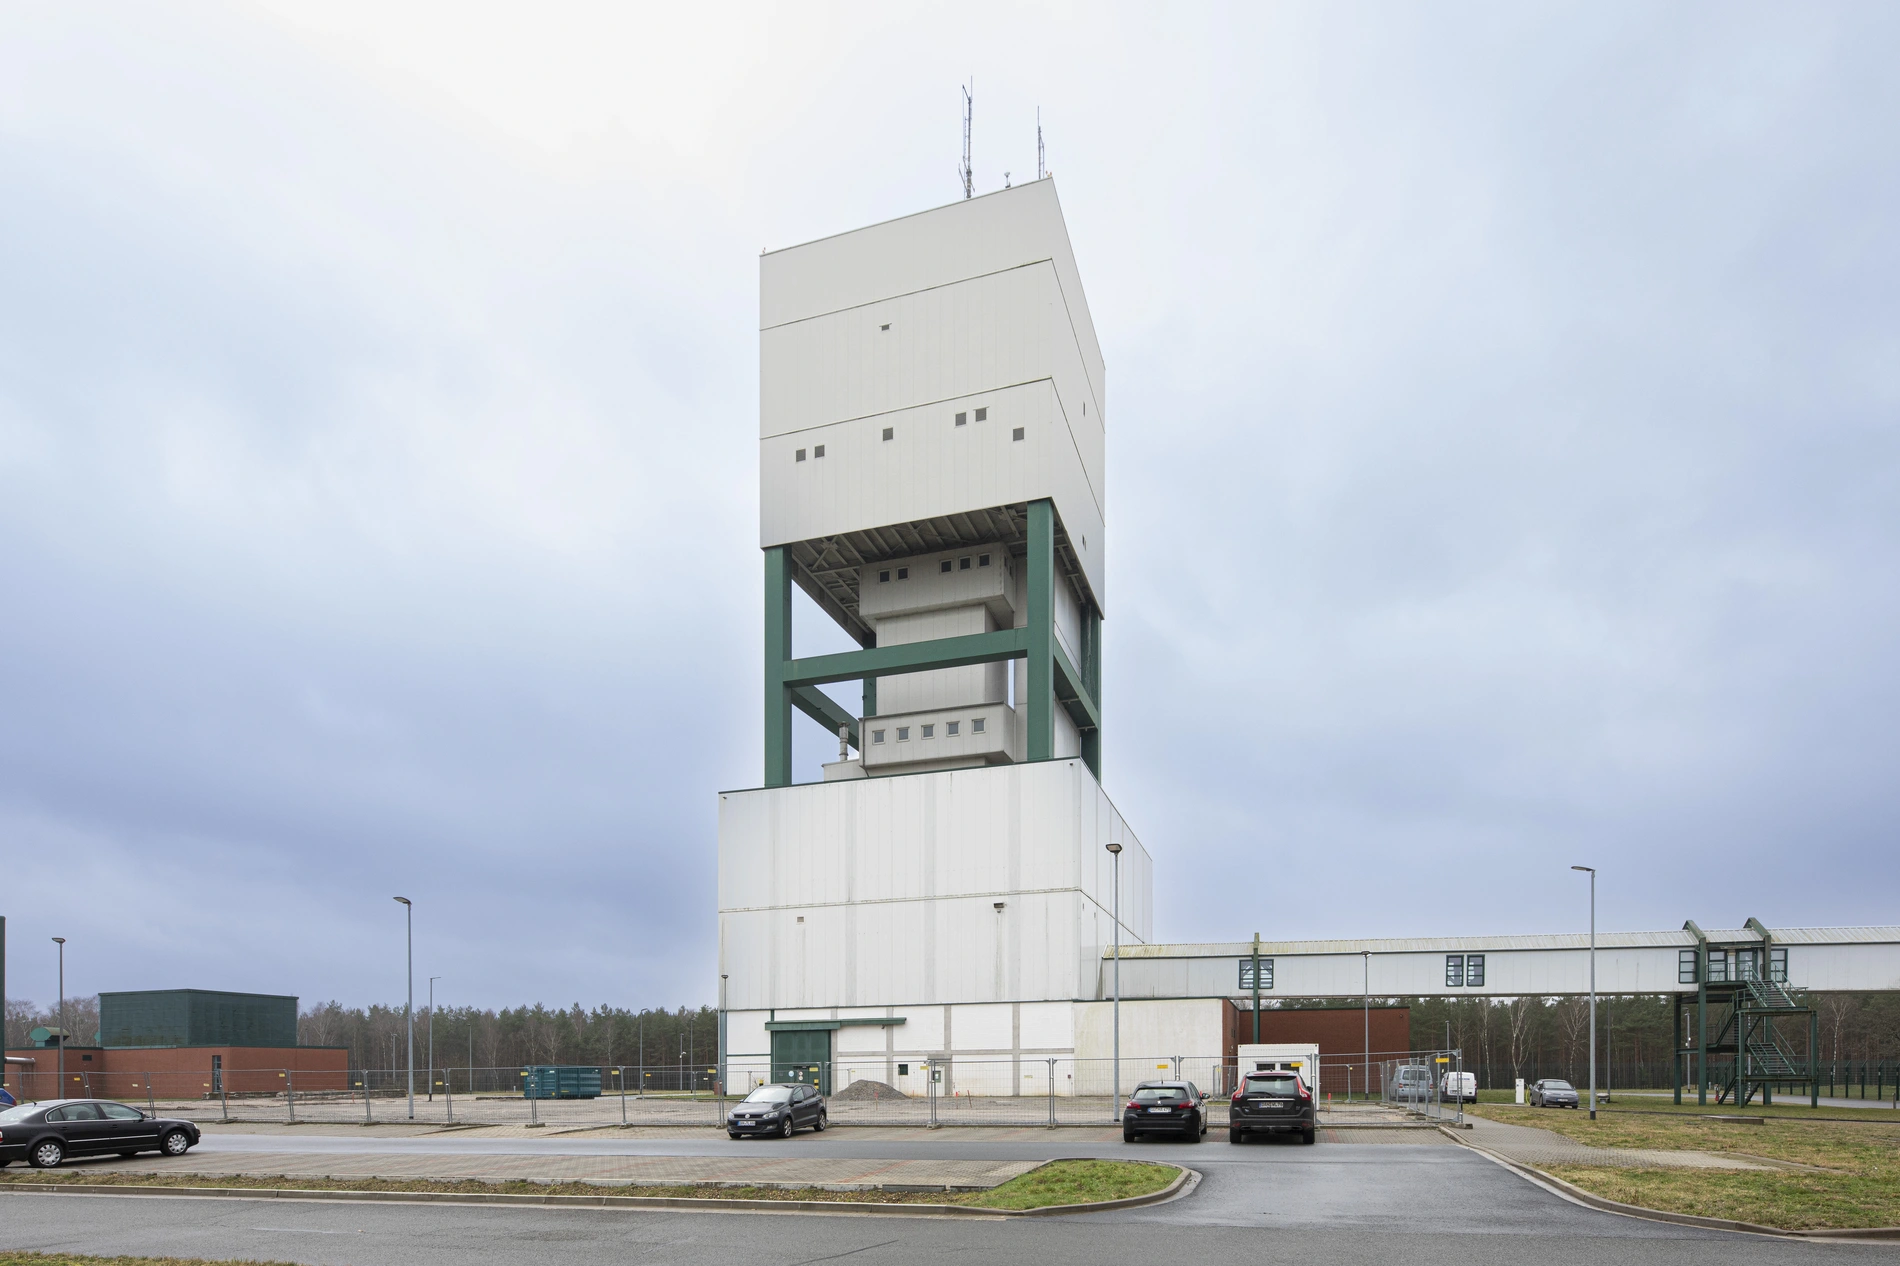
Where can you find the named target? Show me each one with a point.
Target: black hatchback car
(1165, 1107)
(46, 1133)
(1272, 1103)
(781, 1108)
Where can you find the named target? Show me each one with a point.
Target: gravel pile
(867, 1090)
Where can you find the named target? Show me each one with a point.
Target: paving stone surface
(838, 1173)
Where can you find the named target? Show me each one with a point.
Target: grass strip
(1854, 1180)
(1790, 1201)
(1059, 1182)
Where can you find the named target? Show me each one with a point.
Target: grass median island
(1059, 1182)
(1852, 1177)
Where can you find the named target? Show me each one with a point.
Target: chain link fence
(939, 1091)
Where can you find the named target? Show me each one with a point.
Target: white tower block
(930, 451)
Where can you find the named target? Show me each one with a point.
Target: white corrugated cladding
(1626, 962)
(896, 879)
(900, 327)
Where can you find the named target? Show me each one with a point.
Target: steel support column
(1039, 707)
(778, 652)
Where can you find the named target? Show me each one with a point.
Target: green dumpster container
(560, 1081)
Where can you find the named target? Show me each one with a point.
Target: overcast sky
(1504, 462)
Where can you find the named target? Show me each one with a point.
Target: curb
(1185, 1178)
(1577, 1195)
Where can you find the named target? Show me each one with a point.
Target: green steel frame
(1054, 679)
(1746, 1040)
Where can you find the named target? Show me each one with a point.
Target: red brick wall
(178, 1072)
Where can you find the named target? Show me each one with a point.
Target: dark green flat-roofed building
(196, 1017)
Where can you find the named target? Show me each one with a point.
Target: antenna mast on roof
(969, 100)
(1041, 170)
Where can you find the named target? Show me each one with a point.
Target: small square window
(889, 432)
(982, 415)
(884, 578)
(903, 1070)
(930, 731)
(963, 419)
(903, 734)
(877, 736)
(976, 726)
(903, 573)
(1016, 434)
(950, 728)
(982, 560)
(799, 456)
(944, 565)
(963, 564)
(818, 450)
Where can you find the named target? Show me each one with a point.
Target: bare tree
(1520, 1012)
(1573, 1021)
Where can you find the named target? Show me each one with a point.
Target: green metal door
(803, 1055)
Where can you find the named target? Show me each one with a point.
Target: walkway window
(1778, 964)
(1246, 974)
(1454, 971)
(1474, 971)
(1685, 967)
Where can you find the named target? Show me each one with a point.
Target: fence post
(1052, 1093)
(290, 1094)
(448, 1092)
(151, 1097)
(224, 1092)
(620, 1075)
(367, 1118)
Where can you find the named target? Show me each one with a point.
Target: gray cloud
(1503, 472)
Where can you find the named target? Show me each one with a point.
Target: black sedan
(1553, 1092)
(1165, 1107)
(1272, 1103)
(780, 1109)
(46, 1133)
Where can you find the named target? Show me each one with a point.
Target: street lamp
(409, 1008)
(1366, 962)
(61, 942)
(432, 981)
(1115, 851)
(1593, 987)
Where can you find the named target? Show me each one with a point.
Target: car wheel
(46, 1154)
(175, 1143)
(785, 1127)
(821, 1123)
(1307, 1136)
(1128, 1136)
(732, 1136)
(1233, 1136)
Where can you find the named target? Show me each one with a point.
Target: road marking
(304, 1230)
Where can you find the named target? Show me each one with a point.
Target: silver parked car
(1553, 1092)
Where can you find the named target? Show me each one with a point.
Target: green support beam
(825, 710)
(1039, 706)
(778, 650)
(908, 657)
(1072, 692)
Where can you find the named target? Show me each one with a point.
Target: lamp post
(409, 1007)
(1115, 851)
(725, 1075)
(1365, 957)
(61, 942)
(432, 981)
(1593, 987)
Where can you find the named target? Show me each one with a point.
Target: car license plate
(1159, 1109)
(746, 1125)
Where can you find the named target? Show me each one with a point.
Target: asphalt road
(1343, 1203)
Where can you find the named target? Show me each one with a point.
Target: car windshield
(770, 1094)
(1161, 1094)
(20, 1113)
(1285, 1084)
(1558, 1085)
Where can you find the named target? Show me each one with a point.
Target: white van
(1460, 1088)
